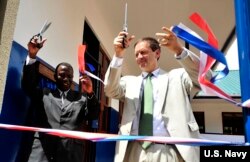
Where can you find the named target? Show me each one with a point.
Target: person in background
(61, 108)
(168, 95)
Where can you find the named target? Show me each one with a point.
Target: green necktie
(146, 120)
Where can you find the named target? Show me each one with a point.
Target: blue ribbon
(206, 48)
(188, 143)
(91, 67)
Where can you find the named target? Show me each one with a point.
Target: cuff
(183, 54)
(116, 62)
(30, 61)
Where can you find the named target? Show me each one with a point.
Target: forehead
(64, 68)
(142, 45)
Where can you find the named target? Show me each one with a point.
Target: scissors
(39, 36)
(43, 29)
(125, 25)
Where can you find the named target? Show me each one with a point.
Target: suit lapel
(68, 99)
(57, 96)
(137, 91)
(163, 87)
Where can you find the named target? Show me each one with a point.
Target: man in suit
(61, 108)
(171, 114)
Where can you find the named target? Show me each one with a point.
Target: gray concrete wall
(8, 14)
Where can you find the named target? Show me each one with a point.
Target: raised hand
(120, 41)
(169, 40)
(86, 84)
(34, 45)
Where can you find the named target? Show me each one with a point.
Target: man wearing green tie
(156, 103)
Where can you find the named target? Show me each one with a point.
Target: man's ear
(158, 54)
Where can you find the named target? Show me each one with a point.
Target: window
(97, 63)
(199, 117)
(232, 123)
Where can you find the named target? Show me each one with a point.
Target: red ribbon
(81, 60)
(212, 40)
(200, 22)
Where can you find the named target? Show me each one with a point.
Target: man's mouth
(142, 63)
(66, 83)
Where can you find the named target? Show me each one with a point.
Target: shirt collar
(65, 92)
(155, 73)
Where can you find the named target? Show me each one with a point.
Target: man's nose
(139, 55)
(66, 78)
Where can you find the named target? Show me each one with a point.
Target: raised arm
(112, 86)
(30, 76)
(188, 60)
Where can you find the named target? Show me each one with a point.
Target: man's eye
(61, 75)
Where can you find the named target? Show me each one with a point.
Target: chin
(142, 66)
(143, 69)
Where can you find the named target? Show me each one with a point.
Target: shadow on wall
(15, 104)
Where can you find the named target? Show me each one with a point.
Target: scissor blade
(125, 25)
(44, 28)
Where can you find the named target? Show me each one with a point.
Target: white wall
(231, 138)
(66, 31)
(212, 109)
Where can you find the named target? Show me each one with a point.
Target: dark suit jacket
(50, 113)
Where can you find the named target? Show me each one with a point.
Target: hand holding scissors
(38, 38)
(37, 41)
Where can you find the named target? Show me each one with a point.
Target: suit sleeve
(191, 64)
(93, 107)
(30, 78)
(114, 84)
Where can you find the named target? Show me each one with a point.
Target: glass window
(232, 123)
(200, 119)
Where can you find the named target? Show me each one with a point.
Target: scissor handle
(39, 38)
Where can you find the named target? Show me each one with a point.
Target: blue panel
(105, 151)
(242, 14)
(15, 104)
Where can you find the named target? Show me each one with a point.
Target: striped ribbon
(81, 63)
(208, 55)
(103, 137)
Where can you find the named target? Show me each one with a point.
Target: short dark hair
(153, 43)
(64, 64)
